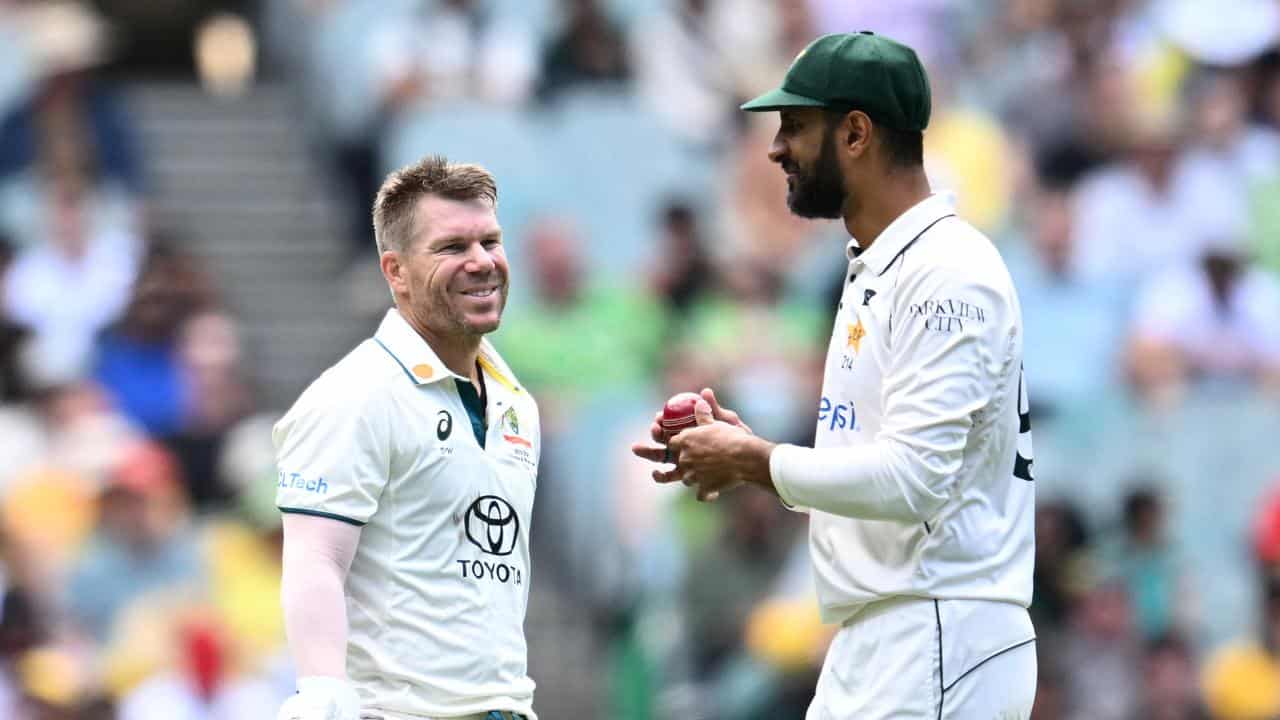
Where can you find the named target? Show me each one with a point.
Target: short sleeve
(332, 459)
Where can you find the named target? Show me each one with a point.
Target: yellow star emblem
(856, 333)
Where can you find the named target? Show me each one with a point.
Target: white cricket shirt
(920, 480)
(438, 588)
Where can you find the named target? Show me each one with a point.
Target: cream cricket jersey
(437, 592)
(920, 480)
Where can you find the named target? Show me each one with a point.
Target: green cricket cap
(855, 71)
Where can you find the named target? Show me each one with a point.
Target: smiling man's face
(456, 268)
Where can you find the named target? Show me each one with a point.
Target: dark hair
(1169, 641)
(1137, 504)
(904, 148)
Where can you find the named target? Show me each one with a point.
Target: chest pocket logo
(445, 426)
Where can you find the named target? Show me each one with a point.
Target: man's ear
(393, 271)
(855, 130)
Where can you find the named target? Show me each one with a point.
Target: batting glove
(321, 698)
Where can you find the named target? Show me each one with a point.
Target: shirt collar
(902, 232)
(414, 355)
(421, 363)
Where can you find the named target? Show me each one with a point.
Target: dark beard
(820, 194)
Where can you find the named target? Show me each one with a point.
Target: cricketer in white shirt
(407, 474)
(919, 488)
(438, 587)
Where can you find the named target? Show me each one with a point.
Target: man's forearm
(879, 481)
(315, 615)
(317, 555)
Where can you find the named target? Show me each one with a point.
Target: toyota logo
(492, 525)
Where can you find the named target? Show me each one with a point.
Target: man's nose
(777, 151)
(479, 259)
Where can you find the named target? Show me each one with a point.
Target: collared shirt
(437, 592)
(920, 481)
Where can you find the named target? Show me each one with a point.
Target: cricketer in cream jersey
(923, 402)
(919, 487)
(407, 474)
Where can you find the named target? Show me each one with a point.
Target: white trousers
(920, 659)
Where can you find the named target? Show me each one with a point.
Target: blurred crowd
(1124, 155)
(139, 556)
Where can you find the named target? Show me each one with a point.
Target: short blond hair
(393, 210)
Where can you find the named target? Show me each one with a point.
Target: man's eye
(492, 243)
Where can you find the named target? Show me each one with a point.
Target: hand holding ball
(678, 414)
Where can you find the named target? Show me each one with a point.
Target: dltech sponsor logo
(296, 481)
(835, 415)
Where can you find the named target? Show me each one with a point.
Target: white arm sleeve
(940, 377)
(317, 555)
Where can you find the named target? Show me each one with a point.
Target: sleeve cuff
(320, 513)
(779, 462)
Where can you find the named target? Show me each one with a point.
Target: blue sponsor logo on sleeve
(836, 416)
(295, 481)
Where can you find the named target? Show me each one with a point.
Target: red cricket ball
(677, 414)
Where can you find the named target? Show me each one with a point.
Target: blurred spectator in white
(346, 106)
(921, 24)
(1101, 656)
(448, 50)
(1217, 317)
(588, 52)
(683, 72)
(1233, 163)
(758, 39)
(100, 263)
(1012, 50)
(1063, 310)
(1222, 33)
(67, 40)
(138, 360)
(1238, 151)
(1170, 686)
(1137, 217)
(143, 542)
